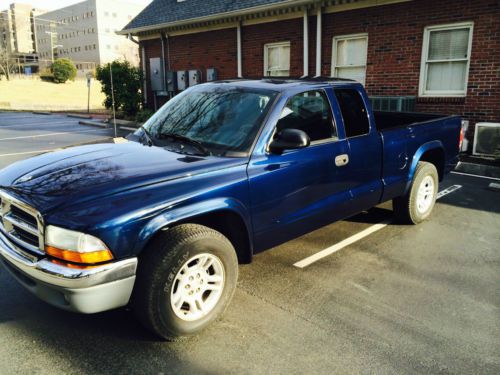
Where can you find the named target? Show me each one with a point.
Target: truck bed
(386, 120)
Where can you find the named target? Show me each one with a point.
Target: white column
(306, 44)
(318, 42)
(238, 46)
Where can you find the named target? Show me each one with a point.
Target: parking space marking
(38, 123)
(475, 175)
(30, 152)
(52, 134)
(339, 246)
(447, 191)
(358, 236)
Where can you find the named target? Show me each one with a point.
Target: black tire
(405, 207)
(159, 264)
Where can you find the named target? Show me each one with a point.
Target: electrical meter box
(157, 79)
(211, 74)
(182, 80)
(171, 81)
(194, 77)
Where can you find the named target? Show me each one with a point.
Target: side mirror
(289, 139)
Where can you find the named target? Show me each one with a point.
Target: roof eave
(237, 13)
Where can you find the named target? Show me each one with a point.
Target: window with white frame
(277, 59)
(349, 56)
(445, 60)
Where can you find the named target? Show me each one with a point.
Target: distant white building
(17, 35)
(85, 34)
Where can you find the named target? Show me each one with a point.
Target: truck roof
(285, 83)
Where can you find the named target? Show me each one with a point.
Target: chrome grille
(21, 223)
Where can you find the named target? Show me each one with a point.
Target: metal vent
(486, 138)
(21, 223)
(393, 103)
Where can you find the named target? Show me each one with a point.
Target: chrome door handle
(341, 160)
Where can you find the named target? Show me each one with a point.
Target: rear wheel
(417, 204)
(186, 278)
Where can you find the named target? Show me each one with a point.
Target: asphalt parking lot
(404, 299)
(25, 134)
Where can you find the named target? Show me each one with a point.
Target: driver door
(301, 189)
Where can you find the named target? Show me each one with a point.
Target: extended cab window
(353, 112)
(310, 112)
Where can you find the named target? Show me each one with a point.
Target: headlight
(75, 246)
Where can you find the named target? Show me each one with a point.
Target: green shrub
(63, 69)
(144, 115)
(127, 82)
(47, 77)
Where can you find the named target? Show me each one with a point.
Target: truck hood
(82, 173)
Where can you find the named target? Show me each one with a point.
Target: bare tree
(7, 63)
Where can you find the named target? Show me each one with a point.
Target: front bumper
(85, 291)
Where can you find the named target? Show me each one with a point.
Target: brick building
(445, 54)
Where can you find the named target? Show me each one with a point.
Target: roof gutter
(213, 17)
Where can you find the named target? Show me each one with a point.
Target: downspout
(318, 42)
(238, 48)
(145, 87)
(306, 44)
(162, 37)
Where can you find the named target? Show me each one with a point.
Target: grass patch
(34, 94)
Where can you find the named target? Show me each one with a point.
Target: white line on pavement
(27, 124)
(447, 191)
(29, 152)
(339, 246)
(358, 236)
(51, 134)
(475, 175)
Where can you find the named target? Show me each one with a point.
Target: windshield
(220, 118)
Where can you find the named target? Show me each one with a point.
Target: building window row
(444, 69)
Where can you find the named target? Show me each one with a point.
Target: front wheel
(417, 204)
(186, 279)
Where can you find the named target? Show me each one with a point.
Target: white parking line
(447, 191)
(52, 134)
(30, 152)
(475, 175)
(358, 236)
(38, 123)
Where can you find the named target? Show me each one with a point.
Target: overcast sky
(54, 4)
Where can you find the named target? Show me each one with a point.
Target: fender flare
(433, 145)
(185, 212)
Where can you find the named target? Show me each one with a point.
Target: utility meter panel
(211, 74)
(171, 81)
(156, 69)
(182, 80)
(194, 77)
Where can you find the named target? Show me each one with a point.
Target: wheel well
(436, 157)
(230, 225)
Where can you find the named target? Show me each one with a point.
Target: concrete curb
(41, 113)
(94, 123)
(79, 116)
(478, 169)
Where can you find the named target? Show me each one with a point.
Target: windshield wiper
(148, 136)
(183, 138)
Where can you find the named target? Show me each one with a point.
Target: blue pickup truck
(223, 171)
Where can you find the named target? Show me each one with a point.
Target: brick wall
(395, 36)
(254, 37)
(196, 51)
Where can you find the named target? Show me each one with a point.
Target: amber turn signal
(75, 257)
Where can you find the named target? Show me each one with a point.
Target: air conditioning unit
(486, 138)
(393, 103)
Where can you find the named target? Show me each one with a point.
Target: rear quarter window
(353, 112)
